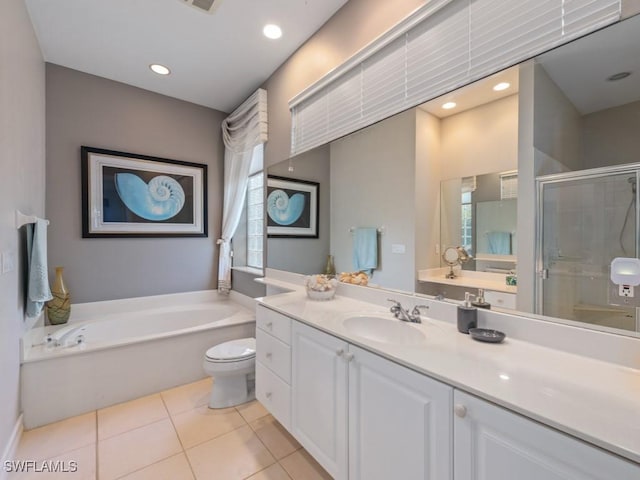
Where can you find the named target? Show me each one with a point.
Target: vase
(59, 308)
(330, 268)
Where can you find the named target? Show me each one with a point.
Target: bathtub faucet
(60, 338)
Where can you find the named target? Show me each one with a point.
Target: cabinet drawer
(274, 354)
(274, 323)
(501, 299)
(274, 394)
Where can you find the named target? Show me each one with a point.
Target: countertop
(468, 278)
(593, 400)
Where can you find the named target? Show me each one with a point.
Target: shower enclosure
(585, 220)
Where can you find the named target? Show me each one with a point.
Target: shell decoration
(285, 210)
(160, 199)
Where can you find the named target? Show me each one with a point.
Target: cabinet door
(319, 397)
(400, 422)
(495, 444)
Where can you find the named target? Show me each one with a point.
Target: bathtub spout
(61, 337)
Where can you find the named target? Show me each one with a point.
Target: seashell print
(160, 199)
(285, 210)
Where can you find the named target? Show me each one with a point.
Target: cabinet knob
(268, 395)
(340, 352)
(348, 357)
(268, 355)
(460, 410)
(269, 325)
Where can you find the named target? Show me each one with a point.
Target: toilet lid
(233, 350)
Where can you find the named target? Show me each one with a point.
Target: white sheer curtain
(242, 131)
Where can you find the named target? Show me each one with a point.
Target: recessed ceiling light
(272, 31)
(159, 69)
(449, 105)
(618, 76)
(501, 86)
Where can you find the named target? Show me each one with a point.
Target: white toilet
(232, 365)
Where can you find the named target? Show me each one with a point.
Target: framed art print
(292, 208)
(130, 195)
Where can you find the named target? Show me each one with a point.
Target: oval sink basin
(384, 330)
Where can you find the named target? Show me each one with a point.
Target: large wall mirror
(464, 169)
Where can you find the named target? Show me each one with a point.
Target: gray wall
(304, 255)
(22, 143)
(86, 110)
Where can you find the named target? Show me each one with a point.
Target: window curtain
(242, 131)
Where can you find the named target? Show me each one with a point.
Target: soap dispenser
(467, 315)
(480, 302)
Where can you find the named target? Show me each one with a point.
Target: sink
(384, 330)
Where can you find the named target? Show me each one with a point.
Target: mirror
(570, 109)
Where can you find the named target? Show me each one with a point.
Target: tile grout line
(184, 451)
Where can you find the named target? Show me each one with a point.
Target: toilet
(232, 365)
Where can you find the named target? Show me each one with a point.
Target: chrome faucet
(402, 314)
(60, 337)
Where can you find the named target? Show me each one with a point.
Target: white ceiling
(581, 68)
(217, 59)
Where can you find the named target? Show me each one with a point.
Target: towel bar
(22, 219)
(381, 230)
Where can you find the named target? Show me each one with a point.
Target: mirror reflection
(462, 170)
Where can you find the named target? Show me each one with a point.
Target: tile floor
(171, 435)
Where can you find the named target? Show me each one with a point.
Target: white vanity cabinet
(399, 422)
(494, 443)
(273, 363)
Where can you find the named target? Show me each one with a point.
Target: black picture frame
(292, 219)
(132, 195)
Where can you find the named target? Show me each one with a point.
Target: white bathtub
(131, 348)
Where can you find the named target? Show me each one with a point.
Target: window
(255, 220)
(467, 222)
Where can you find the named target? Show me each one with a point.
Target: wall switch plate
(398, 248)
(8, 260)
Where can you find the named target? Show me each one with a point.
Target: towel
(365, 249)
(38, 291)
(499, 243)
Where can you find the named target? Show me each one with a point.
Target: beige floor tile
(203, 423)
(172, 468)
(274, 472)
(187, 397)
(78, 464)
(233, 456)
(252, 411)
(135, 449)
(301, 466)
(129, 415)
(58, 438)
(279, 442)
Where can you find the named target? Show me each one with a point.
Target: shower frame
(541, 271)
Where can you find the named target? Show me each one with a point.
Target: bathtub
(130, 348)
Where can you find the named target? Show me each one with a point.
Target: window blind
(447, 44)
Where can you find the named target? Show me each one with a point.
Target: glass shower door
(587, 221)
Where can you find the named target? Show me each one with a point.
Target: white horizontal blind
(459, 42)
(508, 186)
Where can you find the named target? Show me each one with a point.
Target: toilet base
(229, 391)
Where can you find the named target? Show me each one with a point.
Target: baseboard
(12, 446)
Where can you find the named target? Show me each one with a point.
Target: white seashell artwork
(285, 210)
(160, 199)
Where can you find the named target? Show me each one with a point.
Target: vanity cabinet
(399, 422)
(494, 443)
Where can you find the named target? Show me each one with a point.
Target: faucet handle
(416, 309)
(397, 303)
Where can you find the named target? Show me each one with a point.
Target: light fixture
(501, 86)
(272, 31)
(618, 76)
(625, 271)
(449, 105)
(159, 69)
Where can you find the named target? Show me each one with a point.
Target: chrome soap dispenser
(467, 315)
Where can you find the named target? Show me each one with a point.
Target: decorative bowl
(321, 287)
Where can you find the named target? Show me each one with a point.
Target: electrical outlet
(626, 291)
(8, 260)
(398, 248)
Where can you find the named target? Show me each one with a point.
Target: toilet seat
(232, 351)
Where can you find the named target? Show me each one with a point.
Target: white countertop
(594, 400)
(468, 278)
